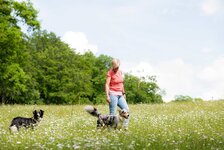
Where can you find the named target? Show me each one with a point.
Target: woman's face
(115, 64)
(115, 69)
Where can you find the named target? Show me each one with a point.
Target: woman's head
(115, 64)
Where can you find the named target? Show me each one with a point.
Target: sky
(181, 42)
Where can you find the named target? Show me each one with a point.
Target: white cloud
(79, 41)
(213, 76)
(179, 78)
(142, 69)
(211, 7)
(214, 72)
(176, 77)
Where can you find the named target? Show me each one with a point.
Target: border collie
(19, 122)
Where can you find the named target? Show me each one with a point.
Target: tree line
(37, 67)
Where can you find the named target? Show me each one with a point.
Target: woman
(114, 89)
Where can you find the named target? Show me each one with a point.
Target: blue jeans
(118, 100)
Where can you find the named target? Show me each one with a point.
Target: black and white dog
(111, 121)
(19, 122)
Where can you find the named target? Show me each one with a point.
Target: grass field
(193, 126)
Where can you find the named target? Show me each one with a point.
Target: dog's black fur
(19, 122)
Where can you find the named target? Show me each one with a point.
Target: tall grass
(160, 126)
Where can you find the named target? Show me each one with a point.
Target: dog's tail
(92, 110)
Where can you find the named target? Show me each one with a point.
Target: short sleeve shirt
(116, 82)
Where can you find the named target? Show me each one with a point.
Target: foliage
(63, 76)
(185, 98)
(26, 14)
(166, 126)
(13, 79)
(142, 90)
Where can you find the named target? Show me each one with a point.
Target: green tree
(179, 98)
(103, 63)
(13, 54)
(62, 75)
(186, 98)
(94, 71)
(142, 90)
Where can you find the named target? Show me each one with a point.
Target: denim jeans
(118, 100)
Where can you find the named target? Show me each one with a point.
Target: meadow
(189, 125)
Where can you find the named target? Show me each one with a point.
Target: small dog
(111, 121)
(19, 122)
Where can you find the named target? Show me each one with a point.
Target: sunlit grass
(160, 126)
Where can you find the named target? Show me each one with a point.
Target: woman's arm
(107, 88)
(123, 92)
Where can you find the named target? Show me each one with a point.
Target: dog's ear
(122, 111)
(41, 113)
(95, 109)
(35, 112)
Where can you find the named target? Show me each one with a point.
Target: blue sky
(179, 41)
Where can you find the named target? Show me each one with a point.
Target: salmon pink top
(116, 82)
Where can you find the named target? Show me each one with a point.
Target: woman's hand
(124, 96)
(108, 99)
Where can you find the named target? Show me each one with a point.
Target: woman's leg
(113, 104)
(122, 103)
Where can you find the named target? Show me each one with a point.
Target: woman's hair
(115, 63)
